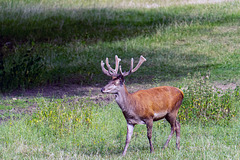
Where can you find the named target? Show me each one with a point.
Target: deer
(143, 106)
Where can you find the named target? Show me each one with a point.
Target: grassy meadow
(43, 45)
(191, 46)
(73, 128)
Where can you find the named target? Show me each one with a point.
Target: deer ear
(121, 78)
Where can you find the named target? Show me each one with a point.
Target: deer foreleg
(130, 128)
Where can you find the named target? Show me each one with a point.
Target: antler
(141, 60)
(111, 72)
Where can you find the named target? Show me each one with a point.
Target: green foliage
(63, 117)
(204, 103)
(22, 69)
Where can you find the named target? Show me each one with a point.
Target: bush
(21, 69)
(205, 103)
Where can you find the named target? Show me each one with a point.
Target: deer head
(117, 81)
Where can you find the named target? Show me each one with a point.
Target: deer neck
(123, 98)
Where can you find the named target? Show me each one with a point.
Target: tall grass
(76, 128)
(206, 104)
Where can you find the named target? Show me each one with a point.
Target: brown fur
(154, 100)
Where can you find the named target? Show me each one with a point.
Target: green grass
(68, 40)
(102, 136)
(78, 128)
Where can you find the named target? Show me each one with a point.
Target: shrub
(205, 103)
(21, 69)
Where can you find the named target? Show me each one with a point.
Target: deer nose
(102, 90)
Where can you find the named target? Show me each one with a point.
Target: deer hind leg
(149, 124)
(178, 127)
(171, 118)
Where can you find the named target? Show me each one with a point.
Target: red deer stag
(144, 106)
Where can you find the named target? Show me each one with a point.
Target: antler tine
(140, 62)
(109, 67)
(117, 60)
(111, 72)
(120, 68)
(130, 71)
(104, 70)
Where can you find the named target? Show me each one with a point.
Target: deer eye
(116, 82)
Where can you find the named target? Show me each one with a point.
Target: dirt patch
(17, 111)
(224, 87)
(58, 91)
(63, 90)
(94, 92)
(78, 91)
(143, 4)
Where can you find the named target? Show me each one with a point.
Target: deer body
(153, 103)
(144, 106)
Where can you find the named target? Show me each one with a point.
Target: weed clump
(63, 117)
(204, 103)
